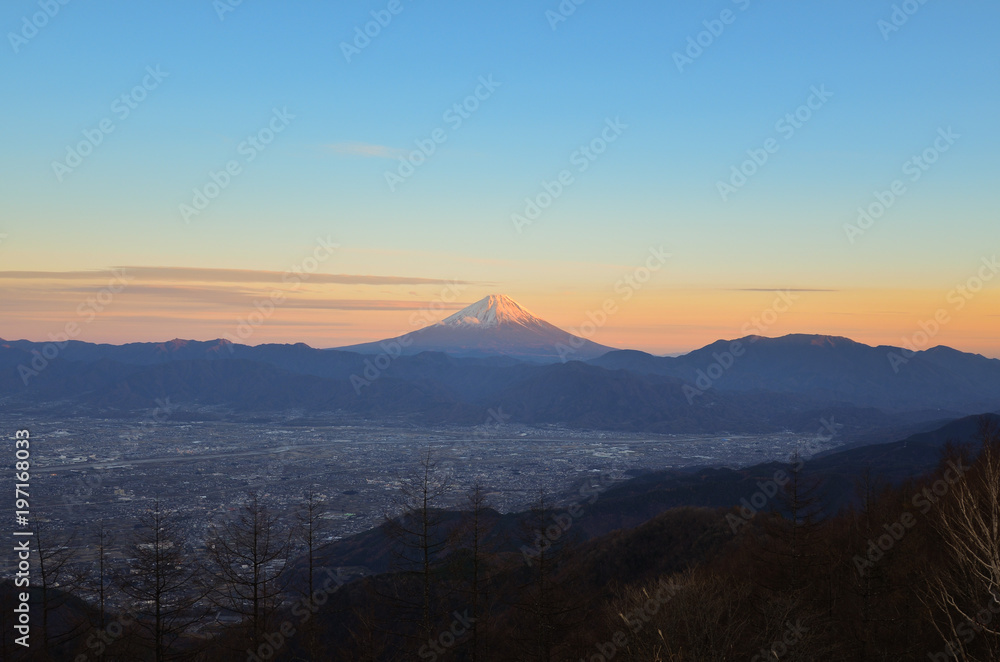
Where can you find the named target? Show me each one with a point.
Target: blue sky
(656, 184)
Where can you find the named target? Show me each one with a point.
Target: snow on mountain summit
(490, 312)
(493, 326)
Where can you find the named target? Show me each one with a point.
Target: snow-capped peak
(491, 312)
(494, 326)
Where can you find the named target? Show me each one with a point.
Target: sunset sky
(119, 116)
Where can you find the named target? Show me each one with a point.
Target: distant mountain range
(830, 368)
(495, 356)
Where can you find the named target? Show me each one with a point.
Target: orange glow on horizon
(657, 320)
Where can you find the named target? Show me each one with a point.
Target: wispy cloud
(366, 150)
(35, 299)
(192, 274)
(778, 289)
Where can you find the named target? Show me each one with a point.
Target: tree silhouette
(965, 592)
(248, 554)
(164, 583)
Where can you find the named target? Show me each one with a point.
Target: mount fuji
(493, 326)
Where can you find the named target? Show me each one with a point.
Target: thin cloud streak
(190, 298)
(224, 276)
(777, 289)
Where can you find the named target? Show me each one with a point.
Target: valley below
(112, 470)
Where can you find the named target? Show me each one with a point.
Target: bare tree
(966, 590)
(802, 501)
(420, 539)
(482, 568)
(545, 604)
(366, 639)
(57, 579)
(164, 584)
(99, 581)
(248, 562)
(308, 529)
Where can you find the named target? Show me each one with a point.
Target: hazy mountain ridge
(775, 383)
(831, 369)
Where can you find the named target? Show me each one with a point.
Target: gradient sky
(448, 228)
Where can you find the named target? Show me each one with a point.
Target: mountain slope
(494, 325)
(774, 384)
(830, 368)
